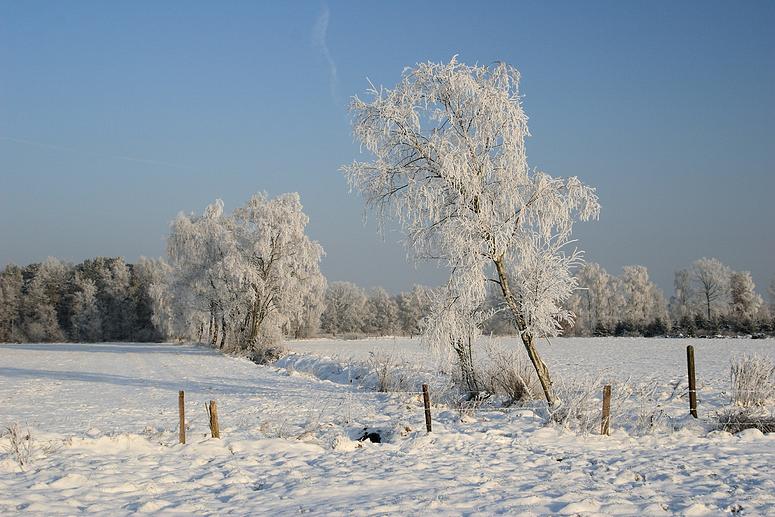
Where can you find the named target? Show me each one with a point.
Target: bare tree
(450, 162)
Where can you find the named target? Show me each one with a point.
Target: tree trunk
(527, 338)
(223, 332)
(213, 326)
(254, 323)
(467, 372)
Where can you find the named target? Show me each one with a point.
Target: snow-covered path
(104, 422)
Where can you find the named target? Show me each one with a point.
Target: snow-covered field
(103, 420)
(611, 359)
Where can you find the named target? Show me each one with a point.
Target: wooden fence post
(182, 415)
(426, 399)
(605, 420)
(692, 381)
(213, 411)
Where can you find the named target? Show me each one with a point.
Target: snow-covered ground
(103, 419)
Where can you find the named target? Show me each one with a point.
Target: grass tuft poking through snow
(20, 444)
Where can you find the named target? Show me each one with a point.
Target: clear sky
(114, 116)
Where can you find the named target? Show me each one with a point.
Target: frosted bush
(581, 405)
(392, 374)
(508, 373)
(20, 444)
(753, 381)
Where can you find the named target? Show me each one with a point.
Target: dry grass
(391, 373)
(20, 444)
(510, 374)
(753, 381)
(736, 420)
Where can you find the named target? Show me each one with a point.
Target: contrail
(319, 34)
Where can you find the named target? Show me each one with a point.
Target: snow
(642, 359)
(103, 418)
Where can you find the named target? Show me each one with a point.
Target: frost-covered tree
(744, 302)
(683, 300)
(243, 280)
(283, 264)
(86, 318)
(711, 284)
(450, 162)
(203, 286)
(58, 301)
(112, 277)
(306, 323)
(42, 301)
(412, 308)
(345, 310)
(381, 313)
(148, 285)
(10, 303)
(592, 301)
(644, 303)
(159, 275)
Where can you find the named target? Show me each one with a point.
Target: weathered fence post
(692, 381)
(213, 411)
(182, 415)
(605, 420)
(426, 399)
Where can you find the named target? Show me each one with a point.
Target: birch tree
(244, 280)
(682, 301)
(591, 301)
(345, 308)
(711, 281)
(381, 313)
(449, 161)
(644, 303)
(744, 302)
(412, 308)
(282, 265)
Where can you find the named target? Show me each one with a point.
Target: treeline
(106, 299)
(351, 310)
(103, 299)
(709, 299)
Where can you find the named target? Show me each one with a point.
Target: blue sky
(115, 116)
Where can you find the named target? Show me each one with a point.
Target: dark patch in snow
(373, 437)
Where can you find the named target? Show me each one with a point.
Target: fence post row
(426, 398)
(692, 381)
(182, 415)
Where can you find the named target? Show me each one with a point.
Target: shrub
(266, 353)
(510, 374)
(391, 374)
(20, 444)
(736, 420)
(581, 403)
(753, 381)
